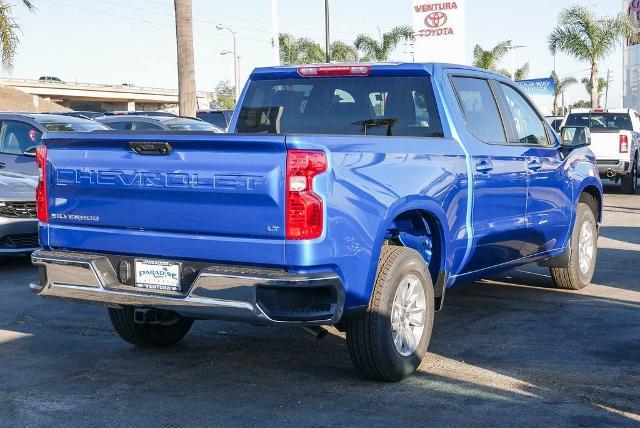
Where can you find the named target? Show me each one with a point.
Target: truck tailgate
(605, 144)
(206, 199)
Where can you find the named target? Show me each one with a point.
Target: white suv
(615, 135)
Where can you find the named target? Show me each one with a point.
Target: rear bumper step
(236, 293)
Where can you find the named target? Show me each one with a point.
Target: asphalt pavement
(506, 350)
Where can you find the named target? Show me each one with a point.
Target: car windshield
(73, 126)
(403, 106)
(601, 121)
(191, 125)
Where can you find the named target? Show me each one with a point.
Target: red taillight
(334, 70)
(41, 190)
(624, 144)
(305, 210)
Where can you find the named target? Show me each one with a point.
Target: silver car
(18, 222)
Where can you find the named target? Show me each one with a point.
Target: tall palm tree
(522, 72)
(490, 60)
(295, 51)
(600, 88)
(8, 32)
(187, 101)
(380, 50)
(589, 38)
(559, 87)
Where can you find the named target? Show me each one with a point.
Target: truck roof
(363, 68)
(600, 110)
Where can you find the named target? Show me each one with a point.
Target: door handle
(534, 165)
(2, 165)
(484, 166)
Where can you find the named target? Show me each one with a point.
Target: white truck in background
(615, 140)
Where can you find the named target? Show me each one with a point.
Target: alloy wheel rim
(408, 315)
(585, 247)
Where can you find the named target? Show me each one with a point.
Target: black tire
(572, 277)
(149, 335)
(630, 182)
(369, 334)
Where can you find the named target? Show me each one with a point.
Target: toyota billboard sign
(440, 30)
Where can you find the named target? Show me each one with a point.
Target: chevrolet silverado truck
(615, 137)
(345, 195)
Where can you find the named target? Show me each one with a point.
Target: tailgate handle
(151, 148)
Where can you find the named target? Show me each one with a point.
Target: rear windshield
(603, 121)
(191, 125)
(84, 126)
(402, 106)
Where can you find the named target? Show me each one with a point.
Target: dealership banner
(544, 86)
(633, 9)
(440, 30)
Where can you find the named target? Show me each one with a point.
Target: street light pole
(236, 71)
(327, 42)
(513, 62)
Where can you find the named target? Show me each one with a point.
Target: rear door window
(398, 106)
(480, 109)
(18, 137)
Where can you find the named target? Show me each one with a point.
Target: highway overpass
(91, 96)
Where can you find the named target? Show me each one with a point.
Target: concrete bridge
(91, 96)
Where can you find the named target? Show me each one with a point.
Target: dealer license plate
(158, 275)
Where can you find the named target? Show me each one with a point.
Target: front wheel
(168, 329)
(582, 252)
(389, 340)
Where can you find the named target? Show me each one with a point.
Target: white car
(615, 140)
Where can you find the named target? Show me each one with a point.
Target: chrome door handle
(484, 166)
(534, 165)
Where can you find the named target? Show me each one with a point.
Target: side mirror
(575, 136)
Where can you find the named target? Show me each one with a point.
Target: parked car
(615, 137)
(138, 113)
(321, 208)
(83, 114)
(219, 118)
(20, 134)
(555, 122)
(156, 123)
(51, 79)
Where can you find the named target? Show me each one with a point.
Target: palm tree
(559, 87)
(600, 88)
(187, 101)
(294, 51)
(8, 32)
(490, 60)
(375, 50)
(589, 38)
(343, 52)
(522, 73)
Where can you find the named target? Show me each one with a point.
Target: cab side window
(528, 124)
(480, 109)
(18, 137)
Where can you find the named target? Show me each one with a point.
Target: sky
(133, 41)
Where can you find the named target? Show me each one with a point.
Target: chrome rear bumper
(237, 293)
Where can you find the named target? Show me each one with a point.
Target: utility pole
(327, 41)
(606, 94)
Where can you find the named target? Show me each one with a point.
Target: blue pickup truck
(345, 195)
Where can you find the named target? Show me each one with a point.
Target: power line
(144, 21)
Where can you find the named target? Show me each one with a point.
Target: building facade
(631, 61)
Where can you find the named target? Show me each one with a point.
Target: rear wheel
(630, 182)
(166, 330)
(389, 340)
(582, 252)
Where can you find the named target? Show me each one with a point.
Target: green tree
(522, 72)
(9, 32)
(343, 52)
(600, 88)
(295, 51)
(380, 50)
(491, 59)
(581, 104)
(589, 38)
(559, 87)
(225, 95)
